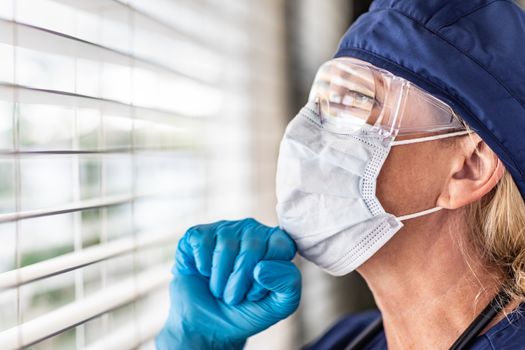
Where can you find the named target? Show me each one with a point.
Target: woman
(379, 174)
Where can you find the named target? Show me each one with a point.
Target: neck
(429, 294)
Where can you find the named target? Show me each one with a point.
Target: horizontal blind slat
(41, 39)
(150, 150)
(82, 310)
(75, 260)
(120, 6)
(84, 205)
(149, 325)
(72, 100)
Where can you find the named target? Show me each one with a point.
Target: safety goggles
(352, 95)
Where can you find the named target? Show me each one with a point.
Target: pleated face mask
(330, 158)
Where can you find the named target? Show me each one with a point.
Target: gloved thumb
(283, 280)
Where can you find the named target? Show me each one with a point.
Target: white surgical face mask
(326, 192)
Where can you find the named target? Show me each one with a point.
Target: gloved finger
(279, 247)
(257, 292)
(223, 259)
(185, 260)
(201, 238)
(253, 247)
(283, 280)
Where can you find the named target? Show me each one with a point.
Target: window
(121, 124)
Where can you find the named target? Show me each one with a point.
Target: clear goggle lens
(350, 93)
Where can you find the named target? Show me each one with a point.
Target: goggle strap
(430, 138)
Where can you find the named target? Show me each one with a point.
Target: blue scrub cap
(468, 53)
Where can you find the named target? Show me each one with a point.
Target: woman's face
(413, 176)
(448, 173)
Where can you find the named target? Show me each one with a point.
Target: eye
(334, 97)
(357, 100)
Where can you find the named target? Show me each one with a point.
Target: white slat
(75, 260)
(85, 309)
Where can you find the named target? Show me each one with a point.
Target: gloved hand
(232, 279)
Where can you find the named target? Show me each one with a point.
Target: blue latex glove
(232, 279)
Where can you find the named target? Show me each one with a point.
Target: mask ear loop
(431, 138)
(418, 214)
(424, 139)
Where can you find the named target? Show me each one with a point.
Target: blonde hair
(497, 223)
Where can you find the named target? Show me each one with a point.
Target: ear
(474, 172)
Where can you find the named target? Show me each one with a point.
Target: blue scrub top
(509, 333)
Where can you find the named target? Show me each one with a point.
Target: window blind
(121, 124)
